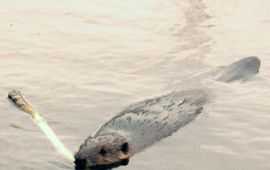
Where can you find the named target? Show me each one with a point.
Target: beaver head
(108, 150)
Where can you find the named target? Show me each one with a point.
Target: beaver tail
(240, 70)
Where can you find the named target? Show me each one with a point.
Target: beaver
(145, 123)
(138, 127)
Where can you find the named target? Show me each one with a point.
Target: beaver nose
(80, 162)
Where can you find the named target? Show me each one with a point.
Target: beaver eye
(125, 148)
(103, 152)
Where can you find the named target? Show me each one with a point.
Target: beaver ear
(125, 148)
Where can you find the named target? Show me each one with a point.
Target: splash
(16, 97)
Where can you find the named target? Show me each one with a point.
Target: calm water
(81, 63)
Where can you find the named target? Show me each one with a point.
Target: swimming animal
(145, 123)
(140, 125)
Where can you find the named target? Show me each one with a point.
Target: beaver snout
(80, 162)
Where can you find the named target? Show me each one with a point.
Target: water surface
(80, 63)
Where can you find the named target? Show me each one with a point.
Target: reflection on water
(105, 167)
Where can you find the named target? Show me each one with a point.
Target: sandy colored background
(81, 62)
